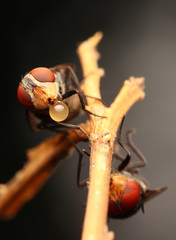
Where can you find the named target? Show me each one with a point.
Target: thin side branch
(42, 160)
(91, 71)
(102, 135)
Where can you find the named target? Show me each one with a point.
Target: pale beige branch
(102, 135)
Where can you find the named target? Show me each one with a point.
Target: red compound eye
(24, 97)
(124, 197)
(43, 74)
(131, 196)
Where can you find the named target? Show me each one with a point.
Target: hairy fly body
(52, 97)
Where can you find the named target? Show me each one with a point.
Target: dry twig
(102, 135)
(42, 160)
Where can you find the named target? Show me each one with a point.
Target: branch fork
(102, 136)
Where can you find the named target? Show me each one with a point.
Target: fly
(127, 190)
(52, 97)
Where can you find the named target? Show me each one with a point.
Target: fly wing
(63, 67)
(38, 121)
(149, 194)
(64, 75)
(33, 121)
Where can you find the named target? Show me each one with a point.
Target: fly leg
(71, 93)
(58, 127)
(71, 76)
(81, 153)
(99, 99)
(143, 161)
(76, 82)
(72, 126)
(125, 161)
(83, 183)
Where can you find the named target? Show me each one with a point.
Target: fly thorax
(60, 82)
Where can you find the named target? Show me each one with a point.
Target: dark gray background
(139, 40)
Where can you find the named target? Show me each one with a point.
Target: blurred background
(139, 40)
